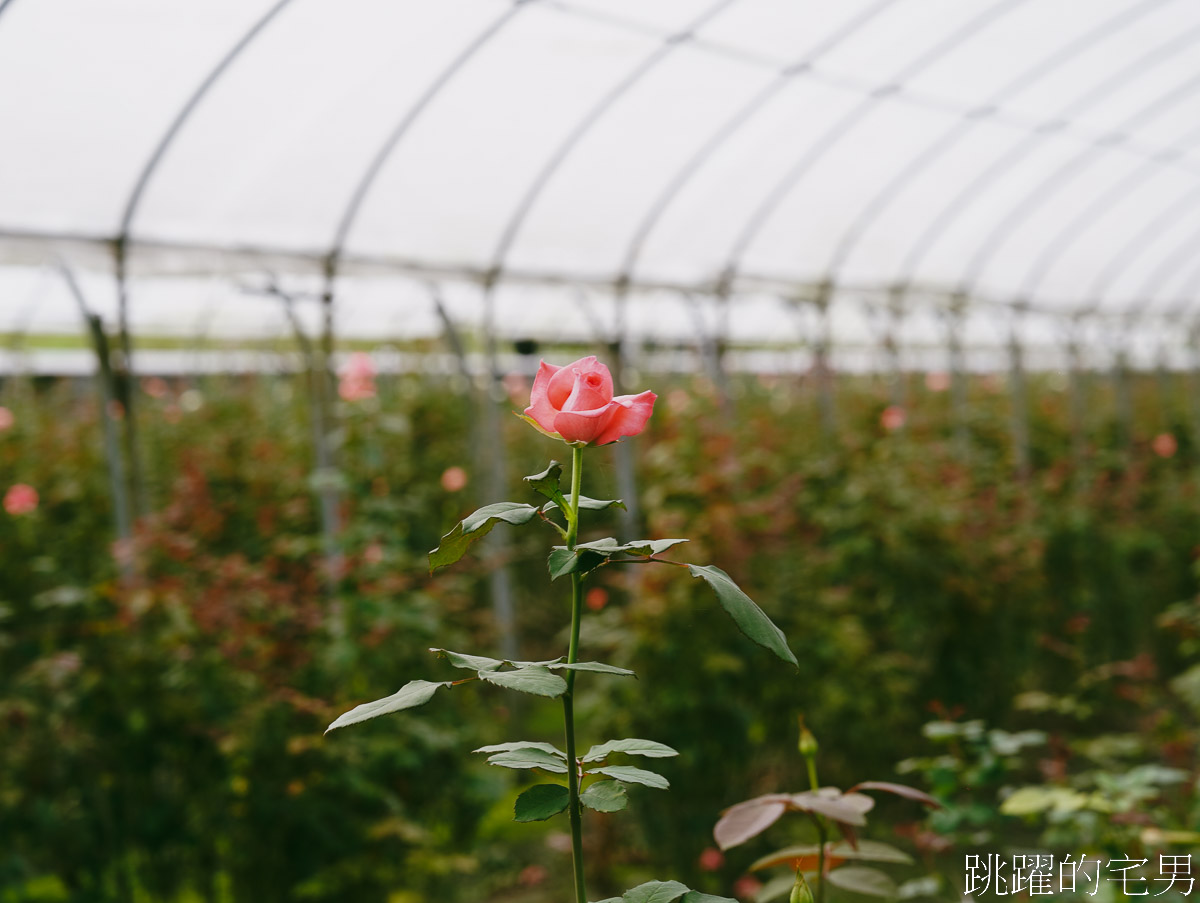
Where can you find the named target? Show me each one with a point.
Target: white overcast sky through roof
(904, 152)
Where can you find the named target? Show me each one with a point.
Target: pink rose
(20, 499)
(575, 403)
(1165, 445)
(6, 419)
(357, 378)
(893, 417)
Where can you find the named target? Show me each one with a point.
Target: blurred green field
(162, 739)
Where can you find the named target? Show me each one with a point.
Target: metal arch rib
(371, 173)
(940, 224)
(1062, 176)
(831, 137)
(964, 125)
(1094, 213)
(512, 229)
(1190, 295)
(1184, 205)
(185, 112)
(1170, 266)
(730, 128)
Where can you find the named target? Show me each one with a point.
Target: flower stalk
(574, 807)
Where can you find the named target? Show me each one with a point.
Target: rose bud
(575, 403)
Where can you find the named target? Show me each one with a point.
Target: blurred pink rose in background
(533, 875)
(6, 419)
(20, 499)
(517, 387)
(357, 378)
(937, 381)
(746, 887)
(596, 598)
(454, 479)
(711, 859)
(1165, 445)
(575, 403)
(155, 386)
(893, 417)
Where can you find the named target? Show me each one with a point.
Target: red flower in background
(20, 499)
(357, 378)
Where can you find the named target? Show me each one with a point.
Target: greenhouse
(877, 319)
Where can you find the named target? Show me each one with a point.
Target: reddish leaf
(798, 858)
(745, 820)
(909, 793)
(848, 808)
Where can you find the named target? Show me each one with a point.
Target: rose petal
(563, 383)
(630, 418)
(540, 408)
(585, 426)
(588, 394)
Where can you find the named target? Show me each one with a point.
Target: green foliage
(605, 796)
(154, 735)
(474, 527)
(540, 802)
(750, 619)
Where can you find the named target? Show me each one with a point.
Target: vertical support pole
(709, 344)
(1193, 377)
(114, 459)
(631, 517)
(822, 368)
(1020, 401)
(1163, 381)
(493, 465)
(323, 424)
(1077, 387)
(891, 344)
(124, 384)
(958, 375)
(1122, 396)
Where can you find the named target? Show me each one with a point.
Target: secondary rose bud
(575, 403)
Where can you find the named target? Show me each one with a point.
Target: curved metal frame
(1020, 212)
(529, 199)
(817, 150)
(1093, 214)
(965, 124)
(184, 114)
(940, 224)
(412, 114)
(1133, 249)
(1170, 265)
(729, 129)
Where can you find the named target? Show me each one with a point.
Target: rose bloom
(937, 381)
(454, 479)
(6, 419)
(575, 403)
(596, 598)
(1165, 445)
(357, 378)
(893, 417)
(20, 499)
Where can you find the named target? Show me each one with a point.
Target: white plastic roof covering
(886, 154)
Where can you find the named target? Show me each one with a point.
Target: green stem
(574, 808)
(822, 833)
(822, 839)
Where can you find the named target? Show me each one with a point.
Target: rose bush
(575, 403)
